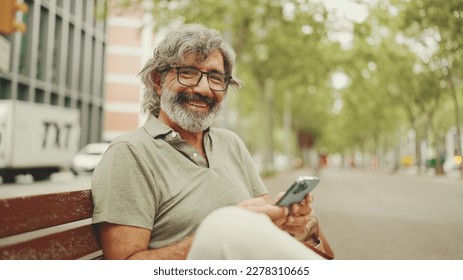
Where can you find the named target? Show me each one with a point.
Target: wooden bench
(53, 226)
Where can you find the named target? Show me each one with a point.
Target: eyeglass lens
(192, 77)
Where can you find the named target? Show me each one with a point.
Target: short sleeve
(123, 188)
(255, 181)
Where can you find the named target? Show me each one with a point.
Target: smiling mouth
(197, 104)
(196, 101)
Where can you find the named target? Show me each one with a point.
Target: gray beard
(187, 119)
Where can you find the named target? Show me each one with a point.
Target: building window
(23, 92)
(24, 47)
(5, 89)
(57, 49)
(70, 64)
(43, 40)
(67, 102)
(39, 96)
(82, 65)
(54, 98)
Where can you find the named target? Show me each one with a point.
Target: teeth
(202, 105)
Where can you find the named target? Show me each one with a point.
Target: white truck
(36, 139)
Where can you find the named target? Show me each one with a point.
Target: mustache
(182, 97)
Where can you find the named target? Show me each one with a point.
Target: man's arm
(128, 242)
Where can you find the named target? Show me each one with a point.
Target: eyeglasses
(190, 77)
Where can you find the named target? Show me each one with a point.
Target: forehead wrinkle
(197, 60)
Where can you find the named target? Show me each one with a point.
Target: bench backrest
(51, 226)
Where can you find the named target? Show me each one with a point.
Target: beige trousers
(233, 233)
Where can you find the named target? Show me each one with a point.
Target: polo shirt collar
(155, 128)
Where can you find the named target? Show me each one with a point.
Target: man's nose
(203, 85)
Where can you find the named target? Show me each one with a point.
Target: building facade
(60, 60)
(130, 43)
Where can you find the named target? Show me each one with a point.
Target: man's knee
(227, 220)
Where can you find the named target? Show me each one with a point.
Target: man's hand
(277, 214)
(302, 224)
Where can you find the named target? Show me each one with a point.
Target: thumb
(278, 196)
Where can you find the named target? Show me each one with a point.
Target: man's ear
(156, 78)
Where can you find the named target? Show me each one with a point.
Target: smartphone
(298, 190)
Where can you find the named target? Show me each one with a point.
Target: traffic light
(8, 23)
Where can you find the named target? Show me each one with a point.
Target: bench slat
(67, 245)
(23, 214)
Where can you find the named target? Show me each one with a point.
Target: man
(154, 186)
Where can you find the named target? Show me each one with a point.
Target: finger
(292, 229)
(300, 209)
(278, 196)
(297, 220)
(308, 199)
(311, 225)
(295, 208)
(279, 222)
(275, 212)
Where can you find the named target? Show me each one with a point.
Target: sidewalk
(370, 215)
(282, 180)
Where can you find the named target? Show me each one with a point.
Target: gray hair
(174, 49)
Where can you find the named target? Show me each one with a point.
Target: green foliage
(404, 69)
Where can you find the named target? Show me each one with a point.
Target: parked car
(85, 161)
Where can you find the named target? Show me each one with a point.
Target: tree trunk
(418, 139)
(453, 92)
(268, 125)
(439, 152)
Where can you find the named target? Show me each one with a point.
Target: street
(60, 182)
(365, 215)
(369, 215)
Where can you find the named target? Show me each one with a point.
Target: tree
(280, 48)
(440, 25)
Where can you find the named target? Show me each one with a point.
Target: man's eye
(217, 78)
(189, 72)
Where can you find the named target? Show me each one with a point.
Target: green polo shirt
(153, 179)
